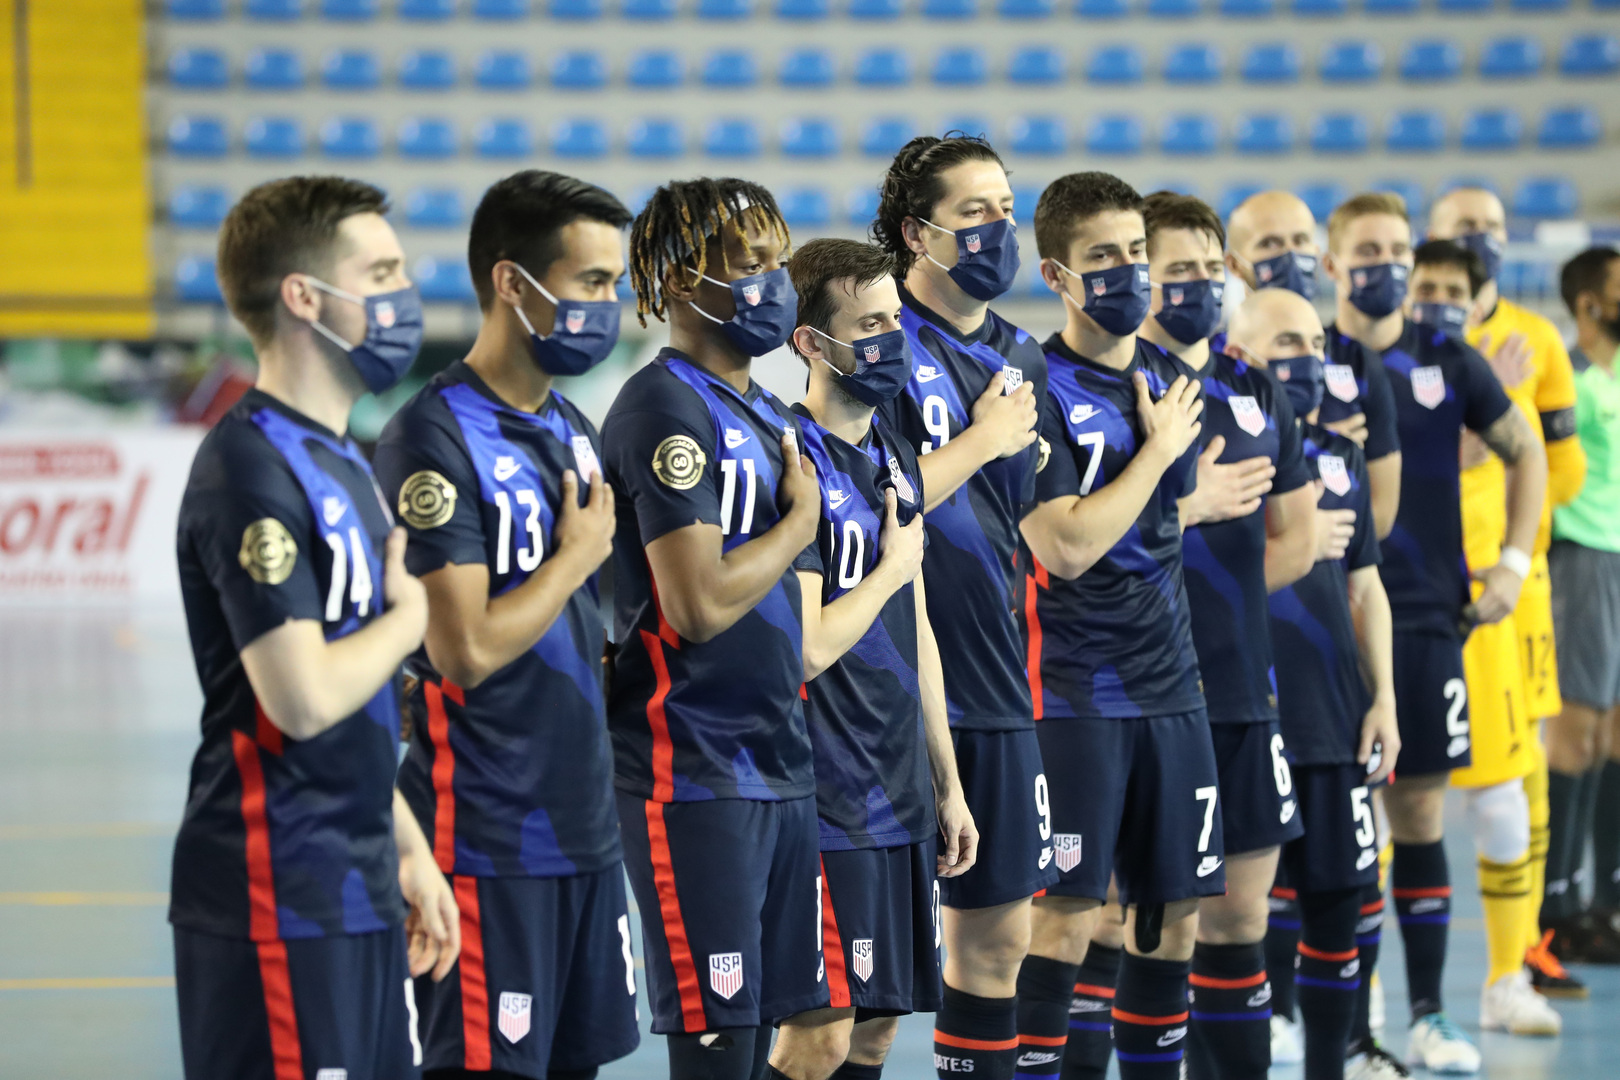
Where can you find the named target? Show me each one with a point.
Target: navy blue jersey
(873, 788)
(1226, 560)
(1357, 383)
(1117, 640)
(1320, 685)
(721, 719)
(1441, 385)
(283, 838)
(971, 572)
(512, 777)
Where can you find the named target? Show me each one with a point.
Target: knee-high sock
(1563, 798)
(1586, 810)
(1504, 890)
(1231, 1011)
(1045, 988)
(1422, 891)
(849, 1070)
(1369, 935)
(1282, 948)
(977, 1035)
(1606, 839)
(1535, 790)
(1150, 1018)
(1328, 978)
(1091, 1040)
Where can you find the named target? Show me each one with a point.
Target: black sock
(1421, 884)
(1369, 935)
(1091, 1038)
(727, 1054)
(773, 1073)
(1150, 1017)
(1045, 987)
(1563, 793)
(1329, 976)
(1282, 949)
(1231, 1011)
(561, 1074)
(1606, 839)
(849, 1070)
(1585, 811)
(762, 1049)
(977, 1035)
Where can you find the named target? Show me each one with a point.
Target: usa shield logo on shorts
(1429, 386)
(725, 973)
(514, 1015)
(1066, 850)
(872, 352)
(902, 484)
(1335, 477)
(1246, 411)
(1341, 381)
(1011, 378)
(973, 243)
(860, 952)
(1175, 296)
(751, 294)
(575, 321)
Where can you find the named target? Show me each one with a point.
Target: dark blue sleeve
(660, 456)
(1379, 407)
(1059, 461)
(1484, 400)
(421, 462)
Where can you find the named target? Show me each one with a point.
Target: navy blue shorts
(545, 980)
(1258, 807)
(730, 898)
(1004, 783)
(290, 1010)
(1340, 847)
(880, 929)
(1431, 704)
(1137, 799)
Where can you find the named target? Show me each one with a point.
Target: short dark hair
(1587, 272)
(912, 187)
(519, 218)
(1071, 200)
(817, 266)
(287, 226)
(1449, 253)
(675, 227)
(1169, 210)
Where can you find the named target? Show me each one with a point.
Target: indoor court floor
(98, 714)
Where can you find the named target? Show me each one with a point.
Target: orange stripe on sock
(974, 1044)
(1329, 957)
(1094, 991)
(1284, 894)
(1043, 1040)
(1376, 905)
(1211, 983)
(1418, 894)
(1155, 1021)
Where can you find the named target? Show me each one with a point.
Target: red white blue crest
(860, 952)
(1098, 287)
(751, 294)
(1341, 381)
(385, 314)
(1175, 297)
(1429, 386)
(574, 321)
(725, 973)
(973, 243)
(1011, 378)
(1263, 272)
(1066, 850)
(1335, 477)
(902, 484)
(1246, 411)
(1358, 278)
(872, 353)
(514, 1015)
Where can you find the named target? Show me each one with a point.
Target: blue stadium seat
(1037, 135)
(803, 10)
(351, 69)
(960, 67)
(810, 137)
(657, 68)
(806, 207)
(1483, 182)
(648, 10)
(1390, 7)
(1112, 65)
(1235, 194)
(273, 137)
(500, 9)
(1464, 7)
(1546, 197)
(874, 9)
(883, 67)
(1351, 61)
(656, 137)
(1524, 278)
(1263, 133)
(1510, 58)
(1175, 9)
(349, 10)
(575, 10)
(1431, 61)
(1102, 9)
(725, 9)
(1193, 63)
(730, 67)
(1590, 54)
(1410, 191)
(199, 206)
(1569, 127)
(1035, 66)
(579, 137)
(1539, 5)
(273, 69)
(967, 123)
(1339, 133)
(950, 9)
(1271, 62)
(352, 137)
(1114, 134)
(578, 71)
(435, 208)
(1025, 9)
(503, 137)
(1025, 198)
(195, 281)
(1491, 129)
(426, 137)
(427, 69)
(1247, 9)
(198, 10)
(1416, 131)
(444, 280)
(806, 67)
(735, 137)
(1318, 9)
(198, 69)
(863, 206)
(884, 136)
(1189, 134)
(426, 10)
(198, 136)
(1321, 196)
(273, 10)
(503, 69)
(1180, 187)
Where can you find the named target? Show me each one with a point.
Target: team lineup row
(1046, 655)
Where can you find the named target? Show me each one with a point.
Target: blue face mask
(1292, 270)
(1191, 309)
(986, 258)
(1489, 250)
(1449, 319)
(1117, 299)
(767, 307)
(393, 334)
(882, 367)
(1302, 379)
(582, 335)
(1376, 291)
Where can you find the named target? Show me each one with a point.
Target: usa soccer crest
(1429, 386)
(385, 314)
(1175, 296)
(872, 352)
(1066, 850)
(751, 294)
(1263, 272)
(1246, 411)
(585, 462)
(1011, 378)
(1335, 477)
(860, 951)
(513, 1019)
(574, 321)
(1341, 381)
(973, 244)
(1098, 287)
(1358, 278)
(902, 484)
(725, 973)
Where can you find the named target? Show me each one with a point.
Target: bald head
(1275, 324)
(1468, 210)
(1265, 225)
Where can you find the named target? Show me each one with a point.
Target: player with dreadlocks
(716, 790)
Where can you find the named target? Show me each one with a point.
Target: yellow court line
(86, 830)
(115, 982)
(76, 899)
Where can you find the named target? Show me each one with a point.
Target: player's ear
(505, 278)
(913, 232)
(1052, 276)
(301, 299)
(680, 283)
(807, 344)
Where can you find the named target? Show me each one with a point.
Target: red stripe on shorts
(474, 985)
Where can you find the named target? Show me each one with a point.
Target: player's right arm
(1369, 607)
(959, 834)
(1002, 425)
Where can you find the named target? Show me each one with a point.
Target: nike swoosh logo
(1031, 1059)
(1046, 857)
(1288, 811)
(928, 374)
(835, 499)
(734, 438)
(1174, 1035)
(506, 468)
(1208, 866)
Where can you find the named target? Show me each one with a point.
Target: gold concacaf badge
(268, 552)
(427, 500)
(1045, 456)
(678, 462)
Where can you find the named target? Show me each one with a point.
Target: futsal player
(886, 782)
(496, 477)
(945, 215)
(304, 894)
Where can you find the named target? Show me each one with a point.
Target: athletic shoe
(1437, 1044)
(1510, 1004)
(1369, 1061)
(1287, 1048)
(1375, 1005)
(1548, 977)
(1585, 939)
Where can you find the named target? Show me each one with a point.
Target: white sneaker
(1437, 1044)
(1512, 1005)
(1375, 1005)
(1287, 1048)
(1374, 1063)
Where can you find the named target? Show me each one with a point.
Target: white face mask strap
(321, 328)
(524, 319)
(330, 335)
(926, 255)
(1064, 292)
(835, 341)
(693, 304)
